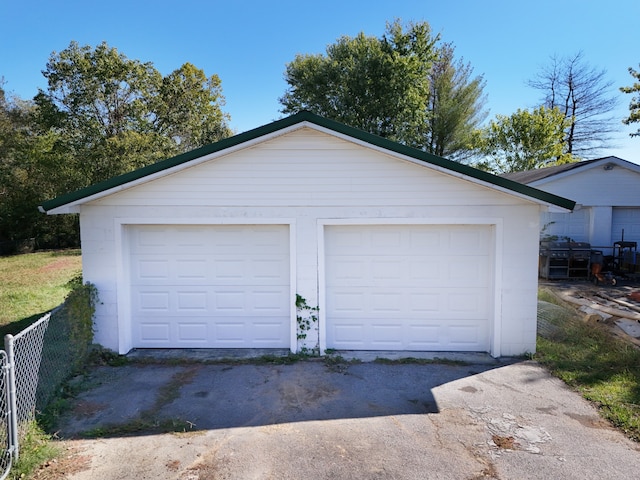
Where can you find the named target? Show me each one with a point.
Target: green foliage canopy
(634, 104)
(525, 141)
(455, 106)
(115, 114)
(102, 115)
(379, 85)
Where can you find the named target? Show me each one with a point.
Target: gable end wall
(300, 179)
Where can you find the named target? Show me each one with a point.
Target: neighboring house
(607, 195)
(399, 249)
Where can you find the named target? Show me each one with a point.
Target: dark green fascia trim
(305, 116)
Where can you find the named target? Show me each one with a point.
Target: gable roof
(65, 203)
(542, 175)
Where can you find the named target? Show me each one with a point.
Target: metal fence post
(13, 409)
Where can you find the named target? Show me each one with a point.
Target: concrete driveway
(316, 420)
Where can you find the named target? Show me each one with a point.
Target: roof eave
(70, 203)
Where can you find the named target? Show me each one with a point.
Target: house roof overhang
(541, 176)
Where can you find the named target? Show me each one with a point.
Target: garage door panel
(408, 287)
(210, 270)
(460, 335)
(470, 334)
(627, 219)
(458, 240)
(192, 332)
(223, 332)
(155, 332)
(192, 302)
(382, 302)
(401, 270)
(345, 335)
(231, 290)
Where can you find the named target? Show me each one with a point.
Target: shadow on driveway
(219, 396)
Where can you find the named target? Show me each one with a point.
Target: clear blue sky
(247, 43)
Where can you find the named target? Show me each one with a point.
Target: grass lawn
(33, 284)
(603, 368)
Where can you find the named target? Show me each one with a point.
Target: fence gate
(6, 444)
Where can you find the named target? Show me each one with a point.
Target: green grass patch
(603, 368)
(33, 284)
(36, 448)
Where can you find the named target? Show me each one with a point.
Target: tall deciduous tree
(116, 114)
(102, 115)
(380, 85)
(455, 106)
(188, 108)
(582, 93)
(25, 177)
(634, 104)
(525, 141)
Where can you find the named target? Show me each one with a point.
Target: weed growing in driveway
(603, 368)
(148, 421)
(140, 425)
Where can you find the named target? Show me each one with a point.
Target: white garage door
(419, 287)
(221, 286)
(627, 219)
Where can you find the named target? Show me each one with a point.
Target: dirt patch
(72, 461)
(87, 409)
(589, 421)
(505, 443)
(60, 264)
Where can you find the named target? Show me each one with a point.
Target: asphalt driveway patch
(362, 421)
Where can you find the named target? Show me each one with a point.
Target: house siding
(301, 178)
(597, 192)
(597, 187)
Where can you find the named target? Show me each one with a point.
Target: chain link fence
(37, 362)
(5, 423)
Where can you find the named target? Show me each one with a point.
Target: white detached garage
(399, 249)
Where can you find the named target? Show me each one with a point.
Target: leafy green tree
(25, 177)
(380, 85)
(102, 115)
(455, 107)
(116, 114)
(188, 108)
(525, 141)
(634, 105)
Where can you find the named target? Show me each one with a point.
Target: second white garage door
(625, 222)
(222, 286)
(408, 287)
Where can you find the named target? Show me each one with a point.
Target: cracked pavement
(495, 420)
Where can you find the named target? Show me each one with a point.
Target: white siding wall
(598, 187)
(598, 192)
(305, 176)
